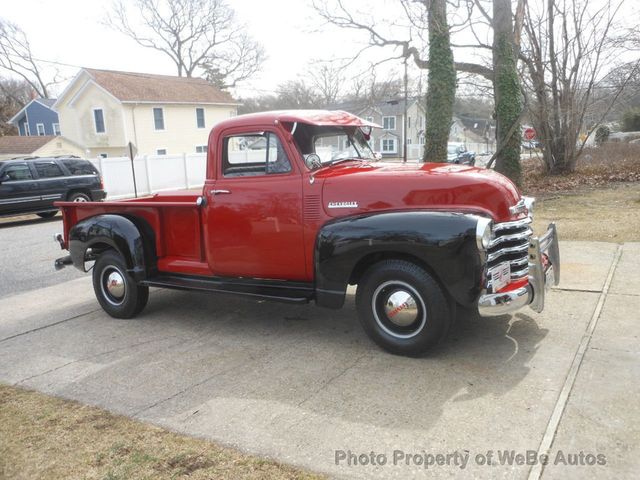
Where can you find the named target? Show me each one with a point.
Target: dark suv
(31, 185)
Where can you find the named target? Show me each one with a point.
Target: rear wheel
(79, 197)
(116, 290)
(402, 308)
(46, 214)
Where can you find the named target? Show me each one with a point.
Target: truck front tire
(116, 291)
(402, 307)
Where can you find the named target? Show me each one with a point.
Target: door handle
(220, 192)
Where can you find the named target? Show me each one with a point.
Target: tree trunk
(507, 94)
(441, 84)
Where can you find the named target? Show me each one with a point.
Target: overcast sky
(71, 32)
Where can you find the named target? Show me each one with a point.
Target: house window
(161, 151)
(200, 117)
(419, 122)
(98, 118)
(40, 129)
(201, 149)
(56, 129)
(408, 122)
(103, 155)
(389, 145)
(158, 118)
(409, 142)
(389, 123)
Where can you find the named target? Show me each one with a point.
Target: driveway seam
(48, 325)
(556, 416)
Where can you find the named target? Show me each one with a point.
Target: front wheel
(402, 307)
(116, 290)
(79, 197)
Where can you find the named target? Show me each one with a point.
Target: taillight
(101, 182)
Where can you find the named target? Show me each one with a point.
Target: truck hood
(358, 187)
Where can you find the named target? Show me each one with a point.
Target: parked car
(32, 185)
(282, 223)
(457, 153)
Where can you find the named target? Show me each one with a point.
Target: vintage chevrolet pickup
(295, 207)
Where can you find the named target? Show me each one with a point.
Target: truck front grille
(510, 244)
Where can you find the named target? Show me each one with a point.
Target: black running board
(276, 290)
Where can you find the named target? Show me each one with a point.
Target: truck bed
(174, 216)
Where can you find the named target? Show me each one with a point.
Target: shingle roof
(46, 101)
(14, 144)
(146, 87)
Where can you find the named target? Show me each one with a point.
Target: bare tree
(14, 94)
(566, 46)
(328, 81)
(16, 56)
(197, 35)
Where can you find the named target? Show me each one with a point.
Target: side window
(17, 171)
(254, 154)
(79, 167)
(48, 170)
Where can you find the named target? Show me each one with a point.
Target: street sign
(529, 134)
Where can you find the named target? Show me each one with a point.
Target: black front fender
(444, 242)
(133, 239)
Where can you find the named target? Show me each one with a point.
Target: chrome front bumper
(542, 275)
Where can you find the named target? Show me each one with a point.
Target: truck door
(253, 219)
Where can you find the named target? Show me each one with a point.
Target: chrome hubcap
(398, 309)
(113, 285)
(401, 308)
(79, 199)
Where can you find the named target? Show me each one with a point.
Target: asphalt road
(27, 253)
(304, 385)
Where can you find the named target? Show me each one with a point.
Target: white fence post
(186, 170)
(148, 172)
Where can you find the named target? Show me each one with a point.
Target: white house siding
(180, 134)
(78, 125)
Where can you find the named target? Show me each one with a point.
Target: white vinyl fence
(154, 173)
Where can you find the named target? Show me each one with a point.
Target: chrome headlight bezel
(484, 233)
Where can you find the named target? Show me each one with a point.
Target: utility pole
(406, 110)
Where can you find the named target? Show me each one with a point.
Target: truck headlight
(484, 233)
(529, 202)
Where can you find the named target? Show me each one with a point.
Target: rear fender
(132, 238)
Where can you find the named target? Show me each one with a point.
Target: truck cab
(296, 207)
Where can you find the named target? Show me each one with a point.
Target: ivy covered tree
(441, 84)
(507, 93)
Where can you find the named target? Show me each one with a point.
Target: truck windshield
(340, 146)
(333, 143)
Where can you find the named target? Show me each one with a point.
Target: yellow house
(104, 110)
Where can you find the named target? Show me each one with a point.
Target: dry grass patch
(610, 214)
(42, 437)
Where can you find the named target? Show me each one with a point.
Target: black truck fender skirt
(444, 243)
(132, 238)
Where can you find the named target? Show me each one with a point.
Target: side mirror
(312, 161)
(377, 156)
(4, 177)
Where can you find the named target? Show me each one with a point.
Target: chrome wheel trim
(399, 309)
(113, 285)
(80, 199)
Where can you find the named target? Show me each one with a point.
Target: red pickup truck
(296, 207)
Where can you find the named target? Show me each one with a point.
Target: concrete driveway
(305, 386)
